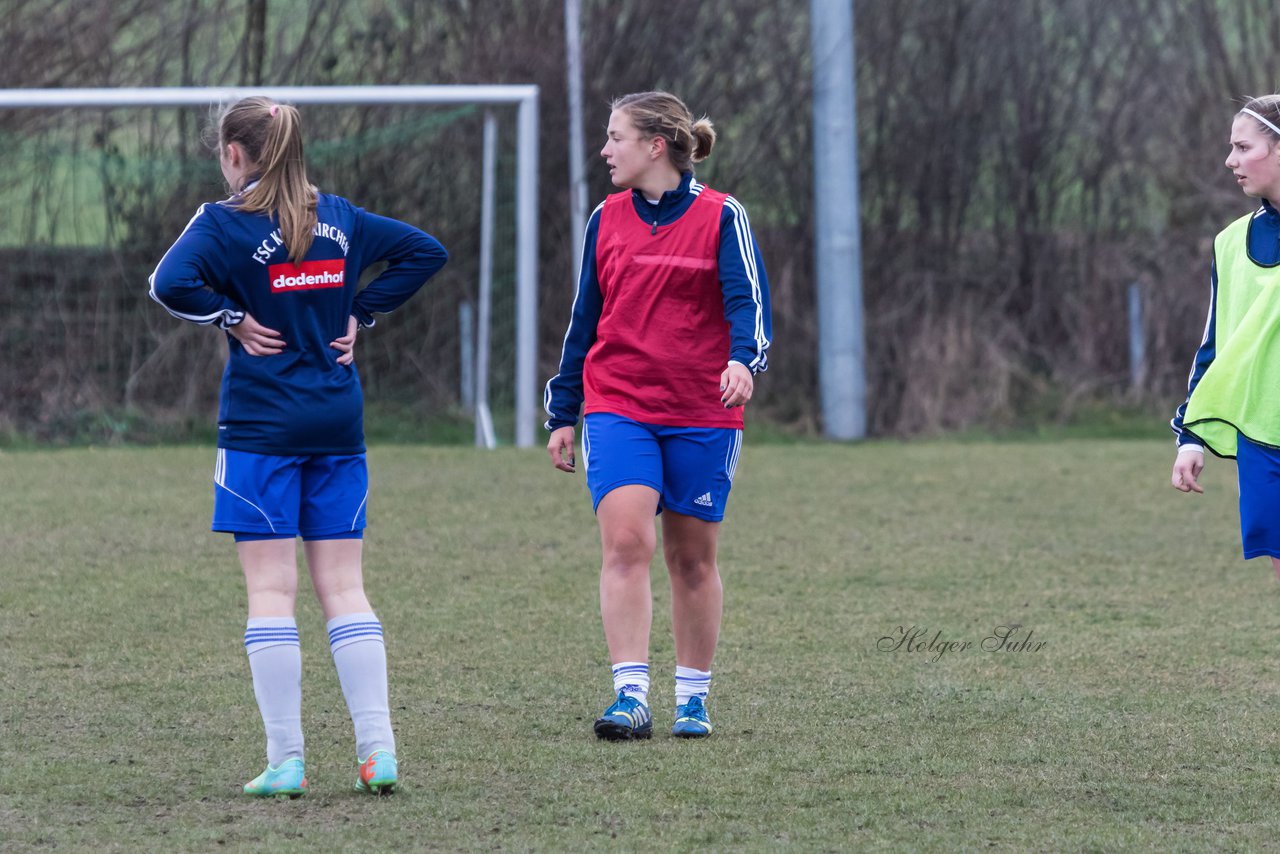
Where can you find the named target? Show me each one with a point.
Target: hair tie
(274, 109)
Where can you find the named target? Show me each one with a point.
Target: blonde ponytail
(271, 136)
(704, 138)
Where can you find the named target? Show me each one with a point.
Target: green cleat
(287, 781)
(379, 774)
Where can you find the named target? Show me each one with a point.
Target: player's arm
(1189, 462)
(188, 283)
(745, 289)
(562, 397)
(412, 256)
(183, 280)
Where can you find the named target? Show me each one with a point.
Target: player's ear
(658, 146)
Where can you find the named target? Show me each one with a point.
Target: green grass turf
(1147, 719)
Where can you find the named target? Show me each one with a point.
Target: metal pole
(199, 96)
(484, 309)
(841, 347)
(466, 355)
(526, 271)
(1137, 341)
(577, 158)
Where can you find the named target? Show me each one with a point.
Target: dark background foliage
(1022, 163)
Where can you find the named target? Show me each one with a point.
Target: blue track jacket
(228, 262)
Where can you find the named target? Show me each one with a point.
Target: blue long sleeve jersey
(227, 263)
(742, 279)
(1264, 250)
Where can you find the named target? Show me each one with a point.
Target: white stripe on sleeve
(746, 245)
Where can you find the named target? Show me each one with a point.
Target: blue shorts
(1258, 472)
(264, 496)
(690, 467)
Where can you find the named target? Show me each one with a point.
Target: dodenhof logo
(307, 276)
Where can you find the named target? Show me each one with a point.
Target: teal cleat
(287, 781)
(379, 774)
(691, 720)
(626, 719)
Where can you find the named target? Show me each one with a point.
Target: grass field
(1147, 719)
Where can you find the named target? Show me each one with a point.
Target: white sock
(361, 659)
(275, 660)
(691, 683)
(632, 678)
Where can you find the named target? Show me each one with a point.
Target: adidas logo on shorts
(703, 500)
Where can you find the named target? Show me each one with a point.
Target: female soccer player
(276, 266)
(1233, 405)
(670, 323)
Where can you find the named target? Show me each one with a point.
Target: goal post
(523, 97)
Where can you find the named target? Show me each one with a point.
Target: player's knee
(277, 586)
(340, 590)
(628, 549)
(271, 602)
(692, 568)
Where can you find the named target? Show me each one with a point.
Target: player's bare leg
(270, 576)
(628, 542)
(697, 605)
(337, 575)
(697, 596)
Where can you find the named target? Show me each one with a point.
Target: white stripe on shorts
(358, 509)
(731, 455)
(220, 478)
